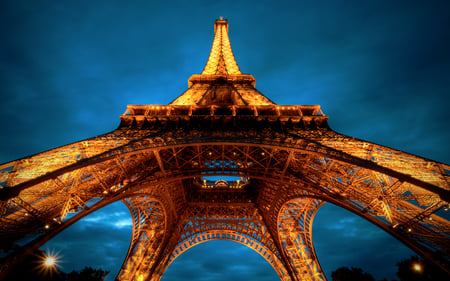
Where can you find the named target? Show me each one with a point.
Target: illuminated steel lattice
(223, 162)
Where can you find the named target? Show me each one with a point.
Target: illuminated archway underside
(222, 126)
(248, 231)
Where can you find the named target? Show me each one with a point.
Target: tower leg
(295, 233)
(149, 224)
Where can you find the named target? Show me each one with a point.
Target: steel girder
(401, 193)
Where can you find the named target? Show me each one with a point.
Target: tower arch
(220, 258)
(235, 234)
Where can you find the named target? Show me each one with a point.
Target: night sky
(379, 69)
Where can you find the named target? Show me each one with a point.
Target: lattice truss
(287, 174)
(242, 224)
(149, 224)
(295, 234)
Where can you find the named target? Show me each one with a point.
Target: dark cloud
(379, 69)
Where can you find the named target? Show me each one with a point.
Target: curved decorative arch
(383, 192)
(240, 223)
(244, 239)
(375, 197)
(137, 203)
(295, 219)
(433, 180)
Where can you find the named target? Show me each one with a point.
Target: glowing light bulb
(50, 261)
(417, 267)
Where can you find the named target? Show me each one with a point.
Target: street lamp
(50, 261)
(417, 267)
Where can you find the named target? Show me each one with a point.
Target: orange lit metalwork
(224, 162)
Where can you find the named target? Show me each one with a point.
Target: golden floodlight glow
(50, 261)
(417, 267)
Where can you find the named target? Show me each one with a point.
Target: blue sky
(379, 69)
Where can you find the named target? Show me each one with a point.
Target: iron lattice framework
(285, 161)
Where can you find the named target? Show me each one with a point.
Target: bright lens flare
(50, 261)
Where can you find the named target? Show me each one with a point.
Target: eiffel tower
(222, 161)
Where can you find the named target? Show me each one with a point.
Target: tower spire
(221, 81)
(221, 60)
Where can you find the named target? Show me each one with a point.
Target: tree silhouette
(412, 269)
(87, 274)
(353, 274)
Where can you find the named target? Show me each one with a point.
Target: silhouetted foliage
(353, 274)
(32, 269)
(412, 269)
(87, 274)
(415, 269)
